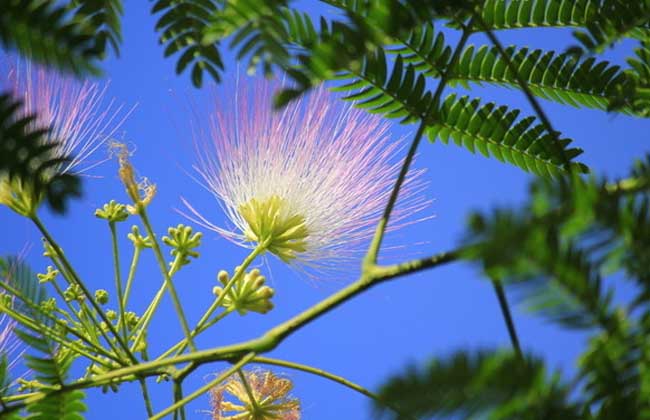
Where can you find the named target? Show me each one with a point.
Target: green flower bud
(73, 292)
(48, 249)
(49, 276)
(248, 294)
(183, 242)
(101, 296)
(111, 315)
(48, 305)
(138, 240)
(131, 319)
(113, 212)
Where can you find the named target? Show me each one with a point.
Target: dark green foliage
(613, 20)
(45, 32)
(102, 17)
(425, 49)
(26, 156)
(181, 25)
(395, 94)
(257, 30)
(484, 384)
(511, 14)
(555, 252)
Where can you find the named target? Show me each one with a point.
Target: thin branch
(167, 277)
(84, 289)
(507, 316)
(373, 250)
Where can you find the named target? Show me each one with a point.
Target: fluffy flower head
(307, 183)
(81, 121)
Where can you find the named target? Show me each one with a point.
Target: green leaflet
(47, 34)
(560, 78)
(496, 131)
(181, 25)
(478, 384)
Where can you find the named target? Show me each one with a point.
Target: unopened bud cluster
(113, 212)
(248, 294)
(183, 242)
(138, 240)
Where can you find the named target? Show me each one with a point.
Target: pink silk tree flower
(81, 121)
(307, 183)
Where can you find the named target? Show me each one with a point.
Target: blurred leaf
(485, 384)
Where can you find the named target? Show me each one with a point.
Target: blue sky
(409, 320)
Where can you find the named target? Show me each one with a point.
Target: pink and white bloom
(80, 118)
(307, 183)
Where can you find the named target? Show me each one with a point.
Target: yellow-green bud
(49, 276)
(101, 296)
(111, 315)
(248, 294)
(113, 212)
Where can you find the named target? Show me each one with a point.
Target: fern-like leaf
(481, 384)
(425, 49)
(612, 21)
(400, 94)
(515, 14)
(102, 17)
(181, 25)
(495, 131)
(557, 77)
(258, 31)
(44, 31)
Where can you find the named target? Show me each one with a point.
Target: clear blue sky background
(410, 320)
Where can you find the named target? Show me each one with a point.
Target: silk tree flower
(307, 183)
(80, 119)
(270, 398)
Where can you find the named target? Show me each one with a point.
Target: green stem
(327, 375)
(167, 277)
(93, 346)
(145, 396)
(90, 325)
(262, 344)
(129, 281)
(178, 396)
(217, 303)
(50, 333)
(77, 280)
(118, 280)
(206, 387)
(249, 390)
(147, 317)
(178, 347)
(373, 250)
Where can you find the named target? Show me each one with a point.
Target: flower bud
(101, 296)
(113, 212)
(248, 294)
(49, 276)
